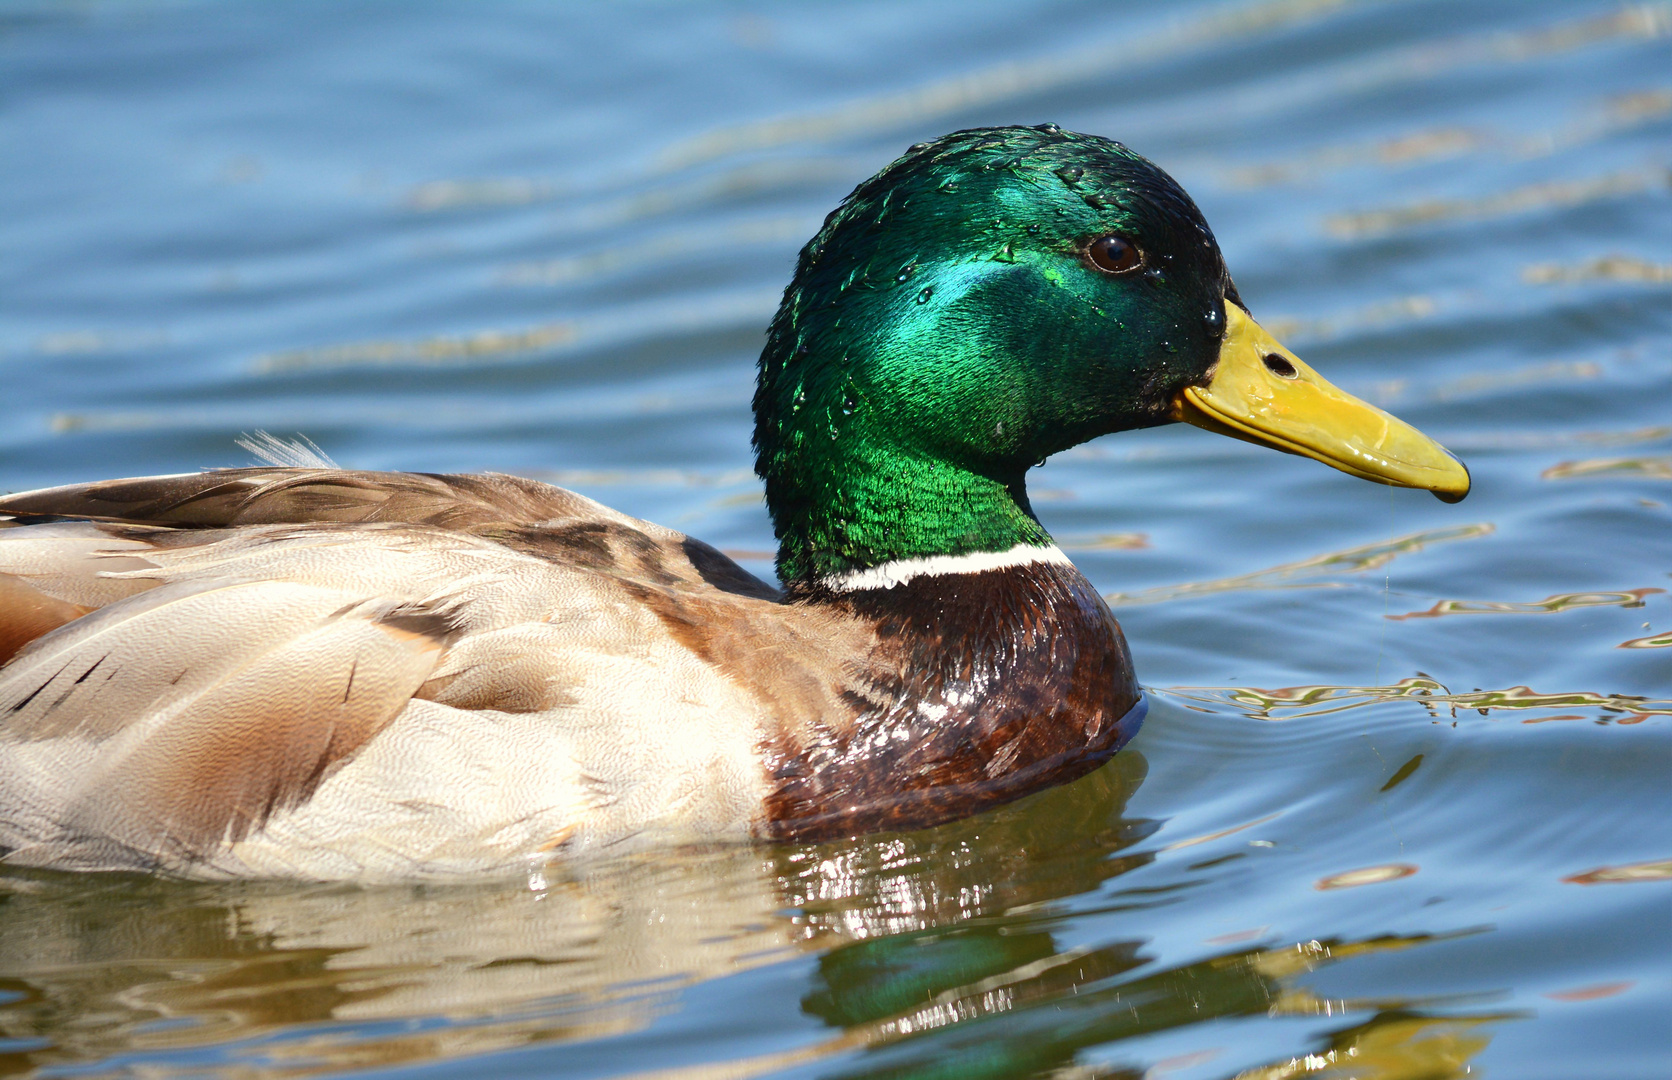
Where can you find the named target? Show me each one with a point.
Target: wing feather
(74, 561)
(261, 739)
(224, 498)
(170, 722)
(151, 653)
(26, 613)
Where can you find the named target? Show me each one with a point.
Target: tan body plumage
(321, 673)
(428, 675)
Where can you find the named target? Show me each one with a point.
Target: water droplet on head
(1034, 229)
(923, 297)
(1215, 319)
(917, 148)
(1049, 129)
(1169, 346)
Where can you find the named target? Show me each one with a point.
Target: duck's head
(996, 296)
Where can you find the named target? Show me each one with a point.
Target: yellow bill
(1261, 392)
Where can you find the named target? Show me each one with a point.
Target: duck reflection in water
(932, 954)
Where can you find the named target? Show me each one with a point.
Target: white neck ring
(899, 571)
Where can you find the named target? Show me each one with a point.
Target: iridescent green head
(987, 300)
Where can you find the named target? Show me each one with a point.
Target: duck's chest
(981, 688)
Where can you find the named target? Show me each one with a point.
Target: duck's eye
(1115, 255)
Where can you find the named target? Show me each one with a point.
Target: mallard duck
(323, 673)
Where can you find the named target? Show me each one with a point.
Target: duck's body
(317, 673)
(313, 672)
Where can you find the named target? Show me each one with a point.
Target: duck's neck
(862, 509)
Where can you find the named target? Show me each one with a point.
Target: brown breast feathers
(982, 688)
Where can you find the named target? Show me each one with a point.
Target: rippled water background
(1402, 807)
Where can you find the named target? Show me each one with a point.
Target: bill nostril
(1280, 367)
